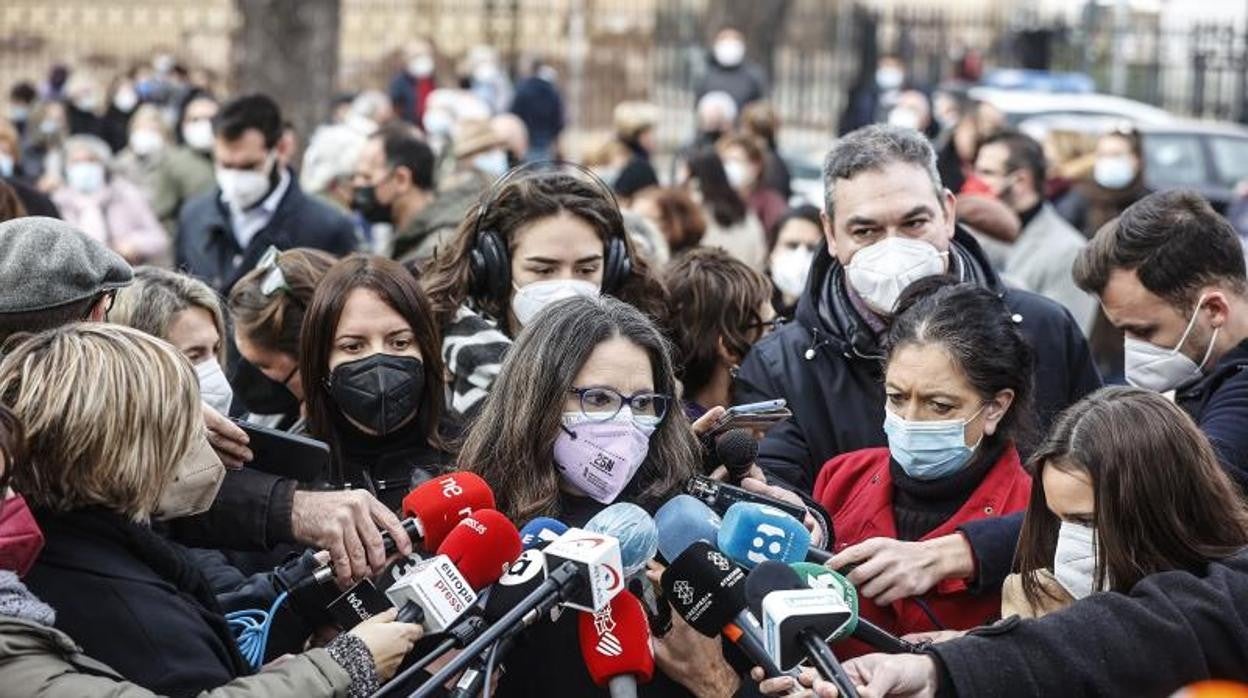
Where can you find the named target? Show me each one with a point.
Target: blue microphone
(754, 533)
(682, 521)
(541, 531)
(639, 539)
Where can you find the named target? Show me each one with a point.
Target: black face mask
(364, 200)
(380, 392)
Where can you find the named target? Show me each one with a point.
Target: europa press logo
(683, 591)
(719, 560)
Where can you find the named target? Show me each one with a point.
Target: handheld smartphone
(760, 421)
(287, 455)
(758, 407)
(718, 496)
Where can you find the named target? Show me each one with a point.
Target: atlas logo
(719, 560)
(683, 591)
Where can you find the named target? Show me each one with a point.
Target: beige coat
(36, 660)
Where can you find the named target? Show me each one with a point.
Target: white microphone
(597, 560)
(438, 588)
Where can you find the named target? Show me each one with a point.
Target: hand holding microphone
(387, 641)
(887, 570)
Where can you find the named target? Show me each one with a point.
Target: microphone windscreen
(769, 576)
(683, 520)
(705, 588)
(481, 546)
(616, 641)
(523, 577)
(820, 577)
(633, 527)
(753, 533)
(737, 449)
(441, 503)
(539, 532)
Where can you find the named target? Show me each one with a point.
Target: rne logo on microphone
(450, 487)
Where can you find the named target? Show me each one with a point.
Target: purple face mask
(601, 458)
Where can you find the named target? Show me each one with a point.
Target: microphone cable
(251, 630)
(489, 668)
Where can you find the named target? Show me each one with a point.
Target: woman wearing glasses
(372, 377)
(590, 383)
(268, 306)
(958, 381)
(583, 415)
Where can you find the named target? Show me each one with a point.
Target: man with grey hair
(889, 222)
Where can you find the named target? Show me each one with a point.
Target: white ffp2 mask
(529, 300)
(881, 271)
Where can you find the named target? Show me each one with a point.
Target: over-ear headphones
(489, 260)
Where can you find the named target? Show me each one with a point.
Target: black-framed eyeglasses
(600, 404)
(274, 280)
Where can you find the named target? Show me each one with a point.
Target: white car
(1019, 106)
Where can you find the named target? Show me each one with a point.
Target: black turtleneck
(920, 506)
(392, 464)
(1027, 216)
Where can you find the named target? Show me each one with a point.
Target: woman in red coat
(958, 381)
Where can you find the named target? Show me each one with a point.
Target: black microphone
(737, 450)
(798, 621)
(719, 496)
(708, 591)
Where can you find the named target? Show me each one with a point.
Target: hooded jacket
(828, 364)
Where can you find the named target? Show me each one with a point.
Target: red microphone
(482, 546)
(441, 503)
(615, 643)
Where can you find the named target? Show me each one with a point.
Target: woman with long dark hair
(1125, 486)
(537, 236)
(584, 415)
(372, 377)
(730, 223)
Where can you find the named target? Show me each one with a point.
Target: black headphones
(489, 261)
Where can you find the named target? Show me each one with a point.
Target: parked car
(1022, 105)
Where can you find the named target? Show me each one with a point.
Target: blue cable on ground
(251, 630)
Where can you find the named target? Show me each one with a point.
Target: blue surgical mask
(929, 450)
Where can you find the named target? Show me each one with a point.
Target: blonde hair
(157, 295)
(108, 411)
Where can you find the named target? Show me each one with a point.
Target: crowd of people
(431, 289)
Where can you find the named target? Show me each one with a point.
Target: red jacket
(857, 489)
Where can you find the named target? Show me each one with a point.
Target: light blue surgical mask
(929, 450)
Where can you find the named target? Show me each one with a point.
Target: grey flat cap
(45, 262)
